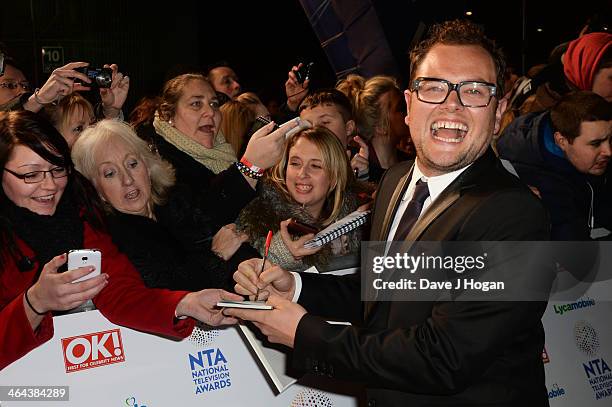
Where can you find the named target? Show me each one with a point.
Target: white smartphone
(85, 257)
(261, 305)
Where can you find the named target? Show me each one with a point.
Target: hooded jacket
(568, 195)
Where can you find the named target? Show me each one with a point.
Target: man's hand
(279, 324)
(202, 305)
(273, 280)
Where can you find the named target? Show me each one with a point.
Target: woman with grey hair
(164, 230)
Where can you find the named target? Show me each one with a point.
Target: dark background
(260, 40)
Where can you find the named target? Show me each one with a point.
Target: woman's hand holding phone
(54, 291)
(296, 247)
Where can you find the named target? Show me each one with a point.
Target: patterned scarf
(216, 159)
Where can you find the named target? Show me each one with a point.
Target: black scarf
(48, 236)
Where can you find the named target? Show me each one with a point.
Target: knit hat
(583, 56)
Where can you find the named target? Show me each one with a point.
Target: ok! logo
(93, 350)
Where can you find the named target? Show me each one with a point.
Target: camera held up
(100, 77)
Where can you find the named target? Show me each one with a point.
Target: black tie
(412, 212)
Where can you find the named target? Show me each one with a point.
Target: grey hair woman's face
(122, 179)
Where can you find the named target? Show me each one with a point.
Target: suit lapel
(394, 202)
(443, 201)
(452, 193)
(468, 179)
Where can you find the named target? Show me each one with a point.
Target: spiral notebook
(350, 222)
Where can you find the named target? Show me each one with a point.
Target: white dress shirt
(435, 185)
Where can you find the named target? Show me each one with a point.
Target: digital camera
(100, 77)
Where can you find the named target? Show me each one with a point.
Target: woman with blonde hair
(237, 121)
(379, 112)
(314, 184)
(163, 228)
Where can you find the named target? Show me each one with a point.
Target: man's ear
(407, 97)
(499, 111)
(350, 129)
(561, 141)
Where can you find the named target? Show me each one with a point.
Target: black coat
(224, 194)
(435, 353)
(174, 251)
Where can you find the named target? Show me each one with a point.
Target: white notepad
(350, 222)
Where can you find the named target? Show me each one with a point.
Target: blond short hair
(110, 131)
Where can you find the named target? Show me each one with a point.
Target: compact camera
(303, 73)
(100, 77)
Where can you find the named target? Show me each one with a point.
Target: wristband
(30, 304)
(248, 172)
(251, 166)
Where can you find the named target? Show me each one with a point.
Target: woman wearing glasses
(13, 84)
(46, 209)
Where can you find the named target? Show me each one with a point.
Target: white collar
(435, 184)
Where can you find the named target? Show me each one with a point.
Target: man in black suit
(442, 353)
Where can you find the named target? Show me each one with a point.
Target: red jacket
(124, 301)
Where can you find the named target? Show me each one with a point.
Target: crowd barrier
(108, 365)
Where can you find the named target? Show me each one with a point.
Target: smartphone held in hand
(297, 228)
(83, 258)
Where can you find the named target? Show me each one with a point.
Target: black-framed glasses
(470, 93)
(12, 85)
(35, 177)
